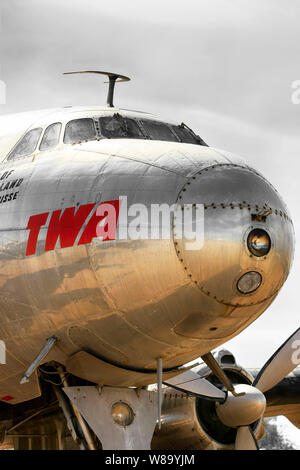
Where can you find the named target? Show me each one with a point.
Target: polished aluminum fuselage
(133, 301)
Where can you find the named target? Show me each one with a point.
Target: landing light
(122, 413)
(249, 282)
(259, 242)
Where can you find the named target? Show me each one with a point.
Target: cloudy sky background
(225, 67)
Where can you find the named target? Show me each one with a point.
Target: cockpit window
(112, 127)
(107, 127)
(185, 135)
(51, 136)
(133, 129)
(117, 127)
(158, 130)
(26, 145)
(80, 130)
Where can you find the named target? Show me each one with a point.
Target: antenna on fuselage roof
(113, 78)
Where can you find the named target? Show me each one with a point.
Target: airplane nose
(248, 235)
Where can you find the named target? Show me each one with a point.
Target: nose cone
(248, 236)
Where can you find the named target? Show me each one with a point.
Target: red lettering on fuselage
(90, 231)
(66, 225)
(35, 223)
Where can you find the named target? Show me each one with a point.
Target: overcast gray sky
(225, 67)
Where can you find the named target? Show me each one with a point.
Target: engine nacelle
(192, 423)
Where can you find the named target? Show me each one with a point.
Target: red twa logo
(66, 225)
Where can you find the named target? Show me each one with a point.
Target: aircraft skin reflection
(119, 306)
(133, 300)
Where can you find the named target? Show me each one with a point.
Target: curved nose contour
(248, 236)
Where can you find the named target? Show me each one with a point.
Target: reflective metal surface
(122, 413)
(132, 301)
(242, 410)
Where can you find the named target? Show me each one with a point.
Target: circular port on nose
(259, 242)
(249, 282)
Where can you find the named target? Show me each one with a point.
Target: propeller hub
(243, 409)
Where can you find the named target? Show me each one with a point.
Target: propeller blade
(279, 365)
(191, 383)
(245, 439)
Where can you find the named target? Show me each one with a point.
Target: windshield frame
(136, 119)
(11, 156)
